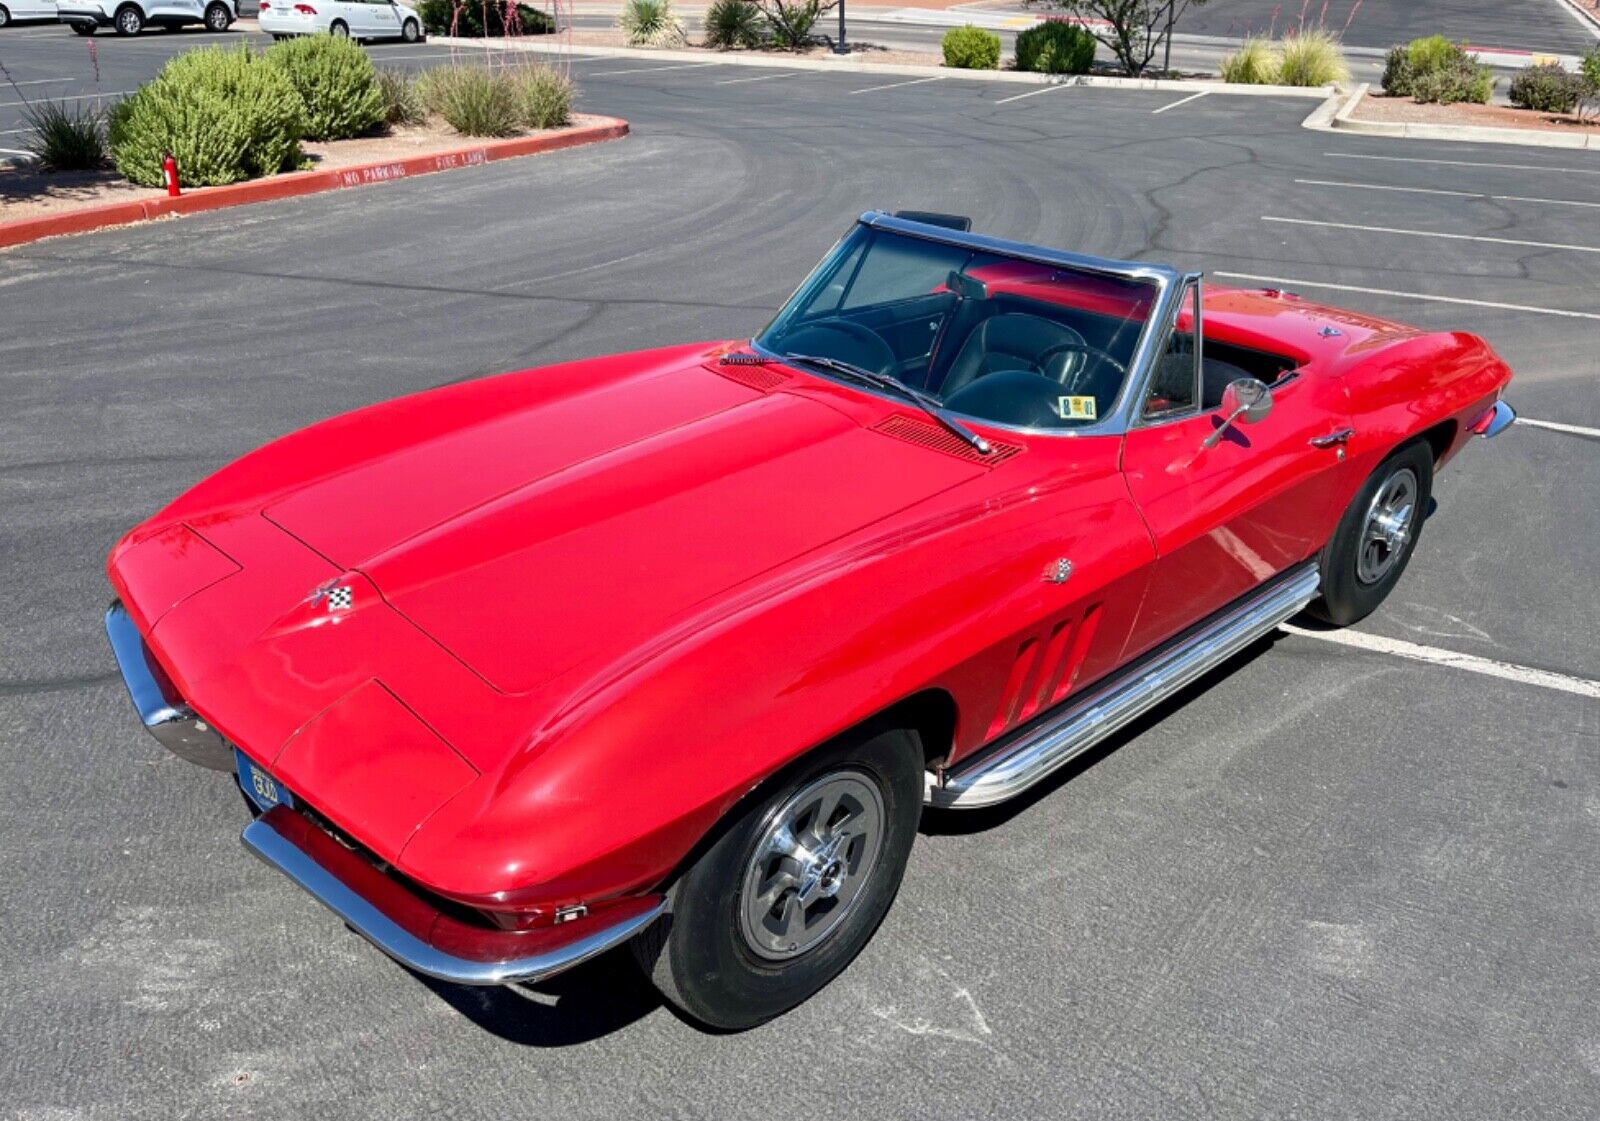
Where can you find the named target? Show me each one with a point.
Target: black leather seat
(1013, 341)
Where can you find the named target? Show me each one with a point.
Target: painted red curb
(24, 230)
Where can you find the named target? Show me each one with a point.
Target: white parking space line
(1569, 429)
(758, 78)
(1395, 230)
(1288, 282)
(1033, 93)
(1436, 191)
(76, 97)
(1185, 101)
(41, 82)
(897, 85)
(652, 69)
(1466, 163)
(1471, 663)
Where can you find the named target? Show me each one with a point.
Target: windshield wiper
(923, 401)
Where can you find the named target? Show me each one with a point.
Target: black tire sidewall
(1345, 599)
(123, 30)
(718, 979)
(225, 20)
(411, 31)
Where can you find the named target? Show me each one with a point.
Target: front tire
(1376, 537)
(217, 18)
(793, 889)
(5, 16)
(411, 31)
(130, 21)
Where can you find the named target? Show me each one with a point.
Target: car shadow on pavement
(948, 822)
(583, 1004)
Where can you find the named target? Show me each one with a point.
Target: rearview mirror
(1246, 401)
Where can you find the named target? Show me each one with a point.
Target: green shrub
(65, 136)
(1590, 68)
(544, 95)
(1435, 69)
(475, 101)
(1312, 58)
(650, 23)
(225, 115)
(1255, 63)
(792, 22)
(402, 103)
(971, 48)
(464, 18)
(734, 23)
(1055, 47)
(337, 82)
(1548, 88)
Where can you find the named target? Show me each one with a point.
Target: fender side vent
(764, 378)
(935, 438)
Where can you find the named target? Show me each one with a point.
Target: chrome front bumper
(418, 934)
(165, 714)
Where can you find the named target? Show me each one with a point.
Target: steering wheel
(864, 346)
(1070, 375)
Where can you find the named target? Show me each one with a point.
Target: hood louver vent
(935, 438)
(763, 378)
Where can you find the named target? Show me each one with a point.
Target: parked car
(671, 648)
(11, 10)
(360, 19)
(129, 17)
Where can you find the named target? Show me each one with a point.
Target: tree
(1133, 30)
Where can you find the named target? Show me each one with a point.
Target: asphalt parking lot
(1335, 883)
(1535, 25)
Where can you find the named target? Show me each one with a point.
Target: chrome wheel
(817, 852)
(1388, 526)
(217, 18)
(129, 22)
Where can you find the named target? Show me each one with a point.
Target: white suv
(130, 17)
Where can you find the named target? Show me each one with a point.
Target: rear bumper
(1495, 421)
(164, 712)
(416, 932)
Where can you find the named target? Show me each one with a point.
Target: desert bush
(1312, 58)
(1590, 68)
(225, 115)
(65, 135)
(402, 103)
(792, 22)
(971, 48)
(651, 23)
(734, 23)
(468, 19)
(337, 82)
(1055, 47)
(544, 95)
(1255, 63)
(474, 101)
(1548, 88)
(1435, 69)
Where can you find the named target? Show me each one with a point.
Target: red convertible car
(672, 648)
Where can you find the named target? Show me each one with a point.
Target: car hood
(539, 540)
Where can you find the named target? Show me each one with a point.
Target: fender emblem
(1058, 572)
(338, 597)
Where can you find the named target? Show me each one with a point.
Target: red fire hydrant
(169, 174)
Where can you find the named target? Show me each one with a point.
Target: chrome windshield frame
(1169, 283)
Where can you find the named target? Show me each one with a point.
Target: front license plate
(260, 787)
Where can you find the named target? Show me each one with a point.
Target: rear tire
(129, 21)
(339, 29)
(1376, 537)
(794, 887)
(218, 18)
(84, 28)
(5, 16)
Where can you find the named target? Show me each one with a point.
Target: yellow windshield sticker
(1075, 408)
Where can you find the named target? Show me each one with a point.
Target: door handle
(1333, 439)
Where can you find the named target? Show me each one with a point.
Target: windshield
(986, 336)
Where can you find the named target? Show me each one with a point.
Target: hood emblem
(339, 597)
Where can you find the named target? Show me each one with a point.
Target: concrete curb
(24, 230)
(1343, 120)
(850, 65)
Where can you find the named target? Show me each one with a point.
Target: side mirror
(1246, 401)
